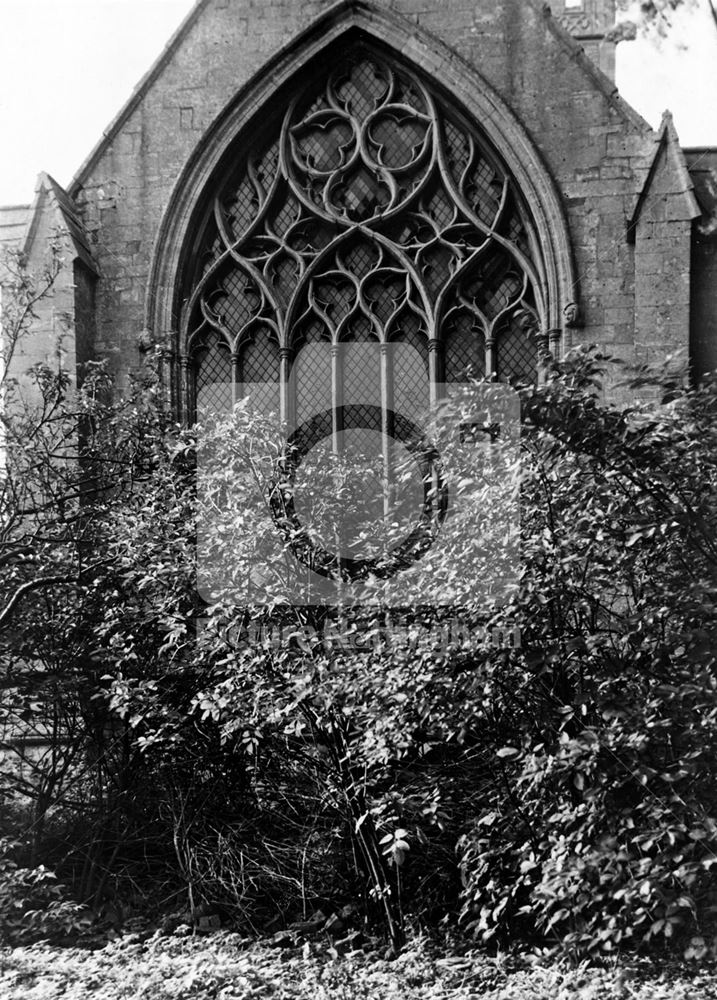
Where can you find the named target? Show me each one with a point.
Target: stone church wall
(599, 152)
(597, 149)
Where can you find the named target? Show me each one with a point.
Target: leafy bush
(562, 791)
(34, 905)
(602, 831)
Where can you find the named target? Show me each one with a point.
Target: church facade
(459, 177)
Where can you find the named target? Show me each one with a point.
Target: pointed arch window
(371, 210)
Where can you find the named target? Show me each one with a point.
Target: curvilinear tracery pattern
(373, 214)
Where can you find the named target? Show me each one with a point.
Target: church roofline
(386, 27)
(602, 82)
(136, 97)
(600, 79)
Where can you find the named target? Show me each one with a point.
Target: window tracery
(373, 212)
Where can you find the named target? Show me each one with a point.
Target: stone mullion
(337, 425)
(387, 423)
(545, 340)
(435, 367)
(491, 357)
(235, 358)
(287, 398)
(436, 370)
(187, 389)
(337, 395)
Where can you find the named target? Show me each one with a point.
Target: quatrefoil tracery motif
(373, 213)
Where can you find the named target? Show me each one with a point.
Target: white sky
(68, 66)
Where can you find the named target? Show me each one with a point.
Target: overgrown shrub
(607, 835)
(34, 905)
(561, 792)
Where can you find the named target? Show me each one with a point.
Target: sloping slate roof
(72, 221)
(572, 44)
(18, 223)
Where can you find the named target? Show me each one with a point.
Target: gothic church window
(370, 211)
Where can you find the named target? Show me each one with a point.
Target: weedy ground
(225, 966)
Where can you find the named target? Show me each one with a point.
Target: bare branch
(40, 583)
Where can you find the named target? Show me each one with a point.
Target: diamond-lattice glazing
(361, 195)
(259, 358)
(360, 259)
(241, 207)
(322, 148)
(237, 302)
(212, 376)
(312, 380)
(386, 216)
(517, 354)
(463, 349)
(286, 215)
(364, 87)
(397, 139)
(383, 294)
(484, 189)
(411, 387)
(360, 373)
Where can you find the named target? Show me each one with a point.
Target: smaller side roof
(667, 177)
(49, 192)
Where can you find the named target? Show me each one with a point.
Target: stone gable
(595, 152)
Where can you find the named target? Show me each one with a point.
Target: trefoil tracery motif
(372, 212)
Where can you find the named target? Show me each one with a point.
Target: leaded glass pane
(464, 354)
(259, 359)
(312, 381)
(517, 353)
(370, 211)
(411, 392)
(213, 376)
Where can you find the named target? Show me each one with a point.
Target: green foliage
(34, 905)
(561, 792)
(575, 774)
(606, 837)
(78, 460)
